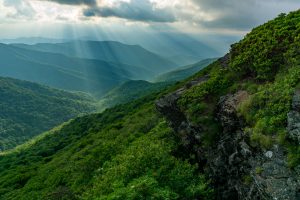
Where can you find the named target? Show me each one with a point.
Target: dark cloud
(242, 15)
(228, 14)
(221, 4)
(75, 2)
(136, 10)
(237, 15)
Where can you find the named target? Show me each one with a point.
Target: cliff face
(189, 134)
(238, 170)
(239, 118)
(294, 119)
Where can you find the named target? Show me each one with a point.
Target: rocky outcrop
(272, 177)
(229, 160)
(224, 61)
(167, 105)
(294, 119)
(270, 170)
(237, 170)
(242, 172)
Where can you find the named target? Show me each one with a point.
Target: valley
(154, 114)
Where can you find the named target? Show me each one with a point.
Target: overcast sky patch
(136, 10)
(75, 2)
(230, 16)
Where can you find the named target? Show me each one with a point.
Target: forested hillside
(129, 91)
(124, 153)
(182, 73)
(28, 109)
(229, 132)
(68, 73)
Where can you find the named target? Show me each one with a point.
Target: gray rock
(169, 108)
(229, 161)
(293, 119)
(278, 181)
(269, 154)
(232, 160)
(296, 101)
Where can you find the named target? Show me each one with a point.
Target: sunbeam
(149, 99)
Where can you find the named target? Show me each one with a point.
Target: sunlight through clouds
(49, 11)
(17, 9)
(194, 16)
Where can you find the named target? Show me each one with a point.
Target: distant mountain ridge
(179, 48)
(71, 73)
(32, 40)
(184, 72)
(110, 51)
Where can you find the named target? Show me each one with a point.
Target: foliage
(129, 91)
(267, 110)
(259, 54)
(129, 152)
(125, 152)
(199, 101)
(146, 170)
(28, 109)
(265, 64)
(184, 72)
(277, 63)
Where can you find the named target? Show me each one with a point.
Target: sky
(127, 18)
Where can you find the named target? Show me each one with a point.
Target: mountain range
(71, 74)
(229, 131)
(80, 74)
(180, 48)
(109, 51)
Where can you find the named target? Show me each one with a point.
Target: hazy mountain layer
(64, 72)
(108, 51)
(184, 72)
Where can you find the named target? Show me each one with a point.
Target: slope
(183, 72)
(108, 51)
(129, 91)
(96, 157)
(233, 123)
(32, 40)
(63, 72)
(28, 109)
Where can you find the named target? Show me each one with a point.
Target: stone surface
(269, 154)
(278, 180)
(296, 101)
(237, 170)
(293, 119)
(168, 105)
(188, 133)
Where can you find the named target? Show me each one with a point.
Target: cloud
(187, 15)
(22, 9)
(209, 14)
(75, 2)
(240, 15)
(136, 10)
